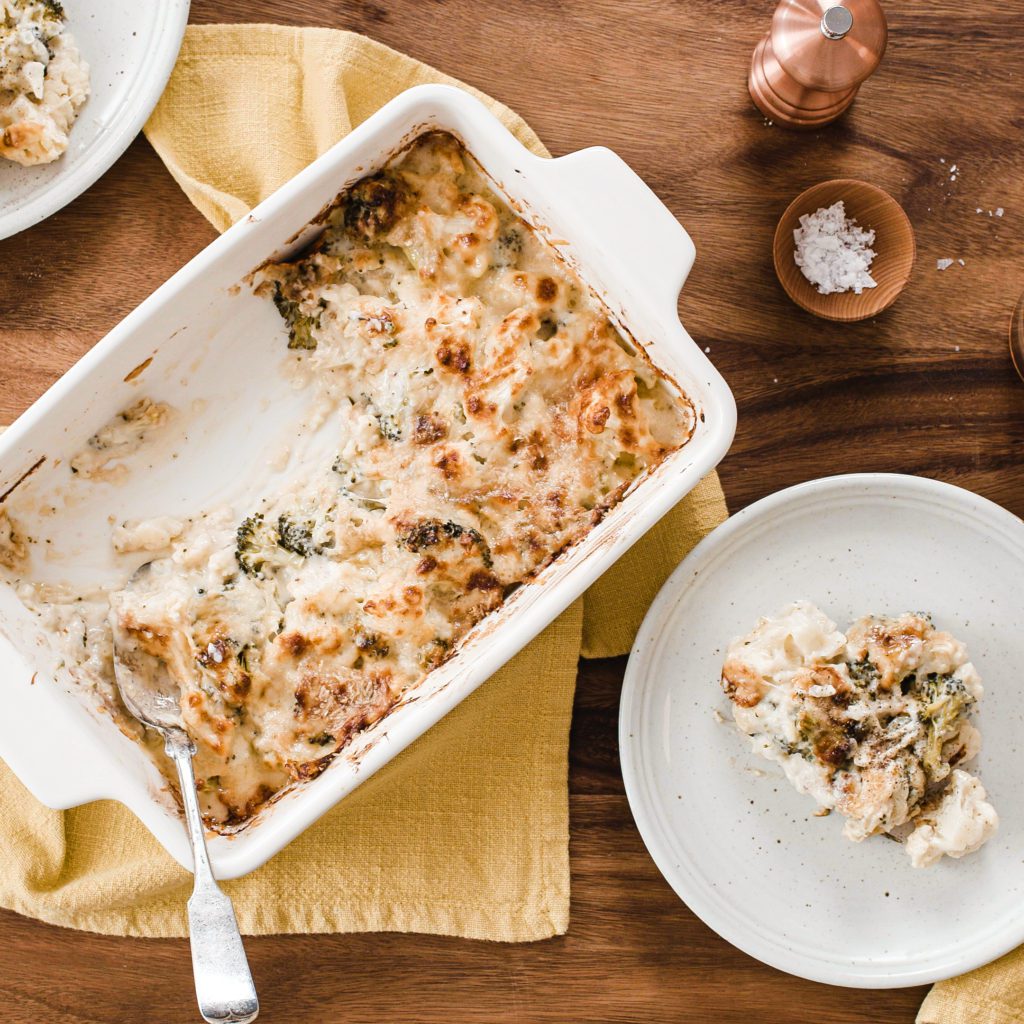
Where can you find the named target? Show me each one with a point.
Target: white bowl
(130, 47)
(209, 339)
(739, 845)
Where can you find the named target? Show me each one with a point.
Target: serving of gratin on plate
(872, 724)
(78, 78)
(860, 779)
(44, 81)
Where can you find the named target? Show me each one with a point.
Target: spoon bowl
(224, 986)
(145, 685)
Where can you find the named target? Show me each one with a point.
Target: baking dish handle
(637, 231)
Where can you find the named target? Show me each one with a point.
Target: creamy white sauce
(105, 453)
(146, 534)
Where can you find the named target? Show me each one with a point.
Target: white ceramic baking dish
(215, 352)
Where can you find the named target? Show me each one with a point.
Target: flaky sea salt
(943, 264)
(833, 253)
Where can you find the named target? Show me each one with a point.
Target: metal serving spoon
(224, 987)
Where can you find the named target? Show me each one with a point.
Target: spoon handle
(224, 985)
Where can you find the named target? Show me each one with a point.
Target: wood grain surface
(925, 388)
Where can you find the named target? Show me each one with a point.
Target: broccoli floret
(296, 535)
(864, 673)
(246, 658)
(372, 644)
(508, 248)
(260, 544)
(388, 426)
(300, 326)
(947, 698)
(942, 687)
(435, 652)
(429, 532)
(373, 204)
(256, 542)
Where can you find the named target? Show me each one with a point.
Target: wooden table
(926, 388)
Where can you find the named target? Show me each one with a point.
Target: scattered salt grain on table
(833, 253)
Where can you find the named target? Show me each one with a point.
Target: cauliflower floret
(961, 821)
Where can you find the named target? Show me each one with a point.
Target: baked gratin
(874, 724)
(44, 82)
(478, 412)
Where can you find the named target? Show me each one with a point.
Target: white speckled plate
(736, 842)
(130, 47)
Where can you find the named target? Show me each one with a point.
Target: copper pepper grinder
(808, 68)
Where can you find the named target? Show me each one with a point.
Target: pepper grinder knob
(807, 69)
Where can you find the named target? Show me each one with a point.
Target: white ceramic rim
(643, 805)
(126, 124)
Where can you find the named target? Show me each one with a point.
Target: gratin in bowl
(205, 344)
(131, 49)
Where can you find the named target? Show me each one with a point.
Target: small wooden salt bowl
(1017, 338)
(872, 208)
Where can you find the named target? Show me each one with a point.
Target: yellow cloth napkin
(993, 994)
(466, 833)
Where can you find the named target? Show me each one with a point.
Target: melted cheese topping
(43, 81)
(485, 414)
(870, 724)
